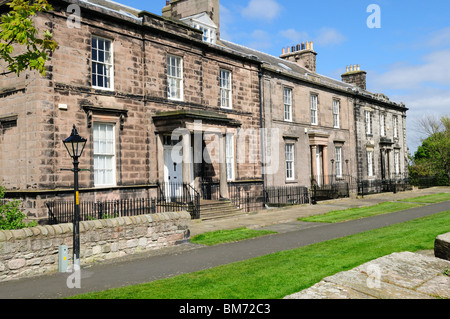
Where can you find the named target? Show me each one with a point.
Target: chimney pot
(283, 51)
(306, 58)
(312, 46)
(355, 76)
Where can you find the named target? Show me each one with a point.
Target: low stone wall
(442, 246)
(34, 251)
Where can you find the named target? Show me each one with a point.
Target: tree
(18, 33)
(10, 215)
(433, 156)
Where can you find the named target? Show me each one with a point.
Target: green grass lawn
(277, 275)
(338, 216)
(429, 199)
(227, 236)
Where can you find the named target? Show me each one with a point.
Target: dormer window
(209, 35)
(203, 23)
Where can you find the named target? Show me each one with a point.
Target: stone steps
(218, 209)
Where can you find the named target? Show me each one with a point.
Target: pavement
(189, 258)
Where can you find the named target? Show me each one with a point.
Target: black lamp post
(332, 169)
(75, 145)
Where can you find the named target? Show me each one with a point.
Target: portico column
(314, 163)
(187, 158)
(325, 165)
(223, 168)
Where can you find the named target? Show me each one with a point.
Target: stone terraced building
(163, 99)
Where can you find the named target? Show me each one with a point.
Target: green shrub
(10, 215)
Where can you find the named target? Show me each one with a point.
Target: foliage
(10, 215)
(17, 31)
(433, 156)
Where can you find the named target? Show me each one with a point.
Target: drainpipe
(261, 122)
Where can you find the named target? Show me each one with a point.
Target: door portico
(182, 154)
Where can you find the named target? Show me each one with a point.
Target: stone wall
(34, 251)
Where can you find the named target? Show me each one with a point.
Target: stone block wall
(34, 251)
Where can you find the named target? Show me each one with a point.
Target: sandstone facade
(45, 109)
(130, 79)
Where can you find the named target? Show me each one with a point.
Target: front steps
(216, 209)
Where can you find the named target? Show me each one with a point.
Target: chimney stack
(303, 54)
(179, 9)
(354, 75)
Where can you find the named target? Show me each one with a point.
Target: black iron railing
(245, 195)
(287, 195)
(181, 193)
(62, 211)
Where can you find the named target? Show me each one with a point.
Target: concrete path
(190, 258)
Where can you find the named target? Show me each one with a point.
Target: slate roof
(268, 61)
(286, 67)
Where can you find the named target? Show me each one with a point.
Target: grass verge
(277, 275)
(338, 216)
(429, 199)
(227, 236)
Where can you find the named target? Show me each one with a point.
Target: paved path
(190, 258)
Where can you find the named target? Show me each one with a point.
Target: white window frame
(104, 59)
(314, 109)
(290, 164)
(370, 162)
(230, 162)
(209, 34)
(368, 120)
(225, 89)
(287, 98)
(383, 124)
(336, 113)
(175, 78)
(338, 161)
(397, 162)
(104, 156)
(395, 120)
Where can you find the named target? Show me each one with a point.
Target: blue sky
(407, 58)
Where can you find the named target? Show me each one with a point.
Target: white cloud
(260, 40)
(440, 38)
(329, 37)
(226, 23)
(434, 70)
(262, 10)
(294, 36)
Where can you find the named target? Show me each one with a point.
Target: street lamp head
(75, 144)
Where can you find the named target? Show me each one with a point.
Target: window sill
(176, 100)
(103, 89)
